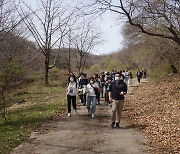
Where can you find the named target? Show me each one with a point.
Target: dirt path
(84, 135)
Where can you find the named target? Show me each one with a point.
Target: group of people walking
(112, 86)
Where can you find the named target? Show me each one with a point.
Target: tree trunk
(80, 66)
(69, 61)
(4, 106)
(69, 70)
(46, 75)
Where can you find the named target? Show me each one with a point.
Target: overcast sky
(111, 31)
(112, 34)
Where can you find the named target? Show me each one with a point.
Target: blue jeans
(93, 100)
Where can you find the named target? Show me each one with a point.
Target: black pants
(102, 92)
(69, 100)
(139, 79)
(98, 97)
(107, 97)
(83, 99)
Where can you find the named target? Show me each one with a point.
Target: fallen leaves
(156, 105)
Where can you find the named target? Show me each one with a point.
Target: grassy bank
(30, 105)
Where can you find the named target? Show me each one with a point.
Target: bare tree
(86, 39)
(12, 49)
(67, 44)
(151, 49)
(159, 18)
(68, 53)
(44, 25)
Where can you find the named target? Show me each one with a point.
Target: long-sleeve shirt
(91, 91)
(72, 89)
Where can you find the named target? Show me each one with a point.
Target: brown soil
(86, 135)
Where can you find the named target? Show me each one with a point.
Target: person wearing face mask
(82, 83)
(71, 94)
(107, 86)
(117, 90)
(98, 84)
(91, 97)
(102, 80)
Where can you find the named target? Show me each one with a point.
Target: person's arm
(125, 88)
(95, 85)
(100, 84)
(110, 93)
(68, 90)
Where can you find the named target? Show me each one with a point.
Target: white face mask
(91, 82)
(71, 79)
(117, 78)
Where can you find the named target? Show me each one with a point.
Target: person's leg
(69, 103)
(84, 99)
(106, 97)
(74, 102)
(103, 91)
(126, 79)
(93, 110)
(139, 79)
(130, 81)
(114, 108)
(98, 98)
(81, 98)
(89, 103)
(108, 102)
(119, 110)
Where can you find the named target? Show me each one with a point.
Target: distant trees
(15, 50)
(152, 51)
(54, 24)
(86, 39)
(159, 18)
(141, 50)
(80, 39)
(155, 18)
(45, 24)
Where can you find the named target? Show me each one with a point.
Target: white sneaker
(69, 114)
(93, 116)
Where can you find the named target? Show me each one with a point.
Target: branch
(176, 39)
(53, 65)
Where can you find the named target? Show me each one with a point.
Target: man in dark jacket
(117, 91)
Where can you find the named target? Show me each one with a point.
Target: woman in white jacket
(71, 94)
(91, 97)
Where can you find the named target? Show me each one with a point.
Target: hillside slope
(155, 108)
